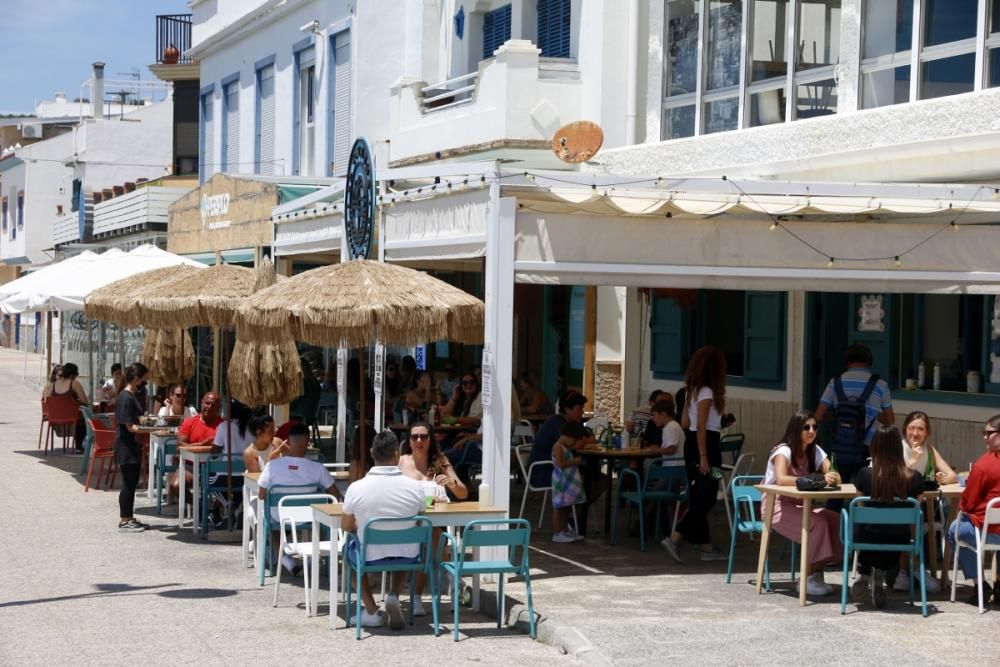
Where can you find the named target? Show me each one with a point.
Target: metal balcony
(173, 30)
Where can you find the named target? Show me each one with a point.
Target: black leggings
(703, 490)
(130, 482)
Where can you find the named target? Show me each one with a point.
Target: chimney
(97, 91)
(60, 97)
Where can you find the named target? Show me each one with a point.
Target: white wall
(46, 183)
(115, 151)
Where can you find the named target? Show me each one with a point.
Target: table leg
(314, 570)
(608, 500)
(765, 539)
(195, 495)
(952, 513)
(151, 468)
(334, 573)
(182, 497)
(244, 547)
(475, 583)
(258, 540)
(931, 538)
(807, 505)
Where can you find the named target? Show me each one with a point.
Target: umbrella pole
(48, 342)
(229, 454)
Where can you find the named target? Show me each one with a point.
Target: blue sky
(48, 45)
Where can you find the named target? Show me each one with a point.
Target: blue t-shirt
(541, 449)
(854, 381)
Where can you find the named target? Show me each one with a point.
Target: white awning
(315, 234)
(438, 228)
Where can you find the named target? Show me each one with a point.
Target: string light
(829, 264)
(530, 177)
(774, 225)
(898, 263)
(954, 226)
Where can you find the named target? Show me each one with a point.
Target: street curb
(567, 639)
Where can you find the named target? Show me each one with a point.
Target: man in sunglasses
(197, 431)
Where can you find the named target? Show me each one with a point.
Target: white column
(633, 351)
(499, 297)
(654, 72)
(342, 369)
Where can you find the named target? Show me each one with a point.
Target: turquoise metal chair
(746, 498)
(166, 452)
(514, 534)
(271, 523)
(218, 466)
(88, 414)
(906, 513)
(658, 474)
(356, 560)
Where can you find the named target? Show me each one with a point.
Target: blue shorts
(351, 555)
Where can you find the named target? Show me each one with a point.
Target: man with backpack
(857, 400)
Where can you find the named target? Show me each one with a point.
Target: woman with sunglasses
(465, 404)
(422, 460)
(982, 487)
(798, 455)
(175, 403)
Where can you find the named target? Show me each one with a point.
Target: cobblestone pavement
(75, 590)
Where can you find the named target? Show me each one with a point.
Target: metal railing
(173, 30)
(449, 93)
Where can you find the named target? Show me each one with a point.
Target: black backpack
(851, 423)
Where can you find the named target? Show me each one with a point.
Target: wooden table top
(644, 453)
(848, 491)
(197, 449)
(338, 475)
(157, 430)
(336, 509)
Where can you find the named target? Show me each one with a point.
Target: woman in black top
(128, 452)
(886, 480)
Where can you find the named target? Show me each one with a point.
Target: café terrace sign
(214, 206)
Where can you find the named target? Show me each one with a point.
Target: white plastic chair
(291, 517)
(980, 547)
(523, 456)
(742, 467)
(249, 509)
(524, 433)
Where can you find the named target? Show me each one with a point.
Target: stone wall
(608, 390)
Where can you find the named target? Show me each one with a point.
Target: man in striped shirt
(878, 407)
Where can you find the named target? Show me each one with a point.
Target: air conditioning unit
(31, 131)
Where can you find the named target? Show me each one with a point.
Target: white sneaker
(395, 612)
(376, 620)
(902, 582)
(563, 538)
(418, 606)
(931, 582)
(671, 548)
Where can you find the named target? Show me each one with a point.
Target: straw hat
(353, 303)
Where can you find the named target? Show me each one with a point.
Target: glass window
(885, 87)
(993, 63)
(994, 24)
(947, 76)
(948, 20)
(725, 20)
(724, 325)
(819, 34)
(767, 107)
(767, 40)
(682, 47)
(816, 99)
(888, 27)
(722, 115)
(951, 329)
(678, 122)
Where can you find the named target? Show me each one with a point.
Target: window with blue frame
(20, 209)
(74, 204)
(749, 327)
(5, 214)
(208, 163)
(553, 26)
(231, 125)
(496, 29)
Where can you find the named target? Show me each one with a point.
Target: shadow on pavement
(103, 590)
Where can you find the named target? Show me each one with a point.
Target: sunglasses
(179, 395)
(420, 436)
(468, 383)
(810, 427)
(988, 432)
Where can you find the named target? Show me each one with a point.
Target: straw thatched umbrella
(169, 355)
(119, 302)
(261, 373)
(354, 303)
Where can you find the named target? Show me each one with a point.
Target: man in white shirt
(296, 470)
(383, 492)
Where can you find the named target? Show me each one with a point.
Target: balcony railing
(449, 93)
(66, 229)
(141, 210)
(173, 30)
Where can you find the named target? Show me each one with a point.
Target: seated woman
(887, 479)
(175, 405)
(421, 460)
(982, 486)
(265, 445)
(66, 384)
(53, 376)
(798, 455)
(465, 404)
(533, 399)
(923, 458)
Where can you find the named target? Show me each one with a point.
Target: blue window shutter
(764, 340)
(4, 214)
(553, 25)
(20, 209)
(496, 29)
(670, 336)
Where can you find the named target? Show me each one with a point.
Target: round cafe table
(610, 455)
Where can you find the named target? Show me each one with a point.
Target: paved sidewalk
(74, 590)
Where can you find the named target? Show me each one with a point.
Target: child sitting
(567, 484)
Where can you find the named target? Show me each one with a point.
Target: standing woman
(128, 452)
(705, 382)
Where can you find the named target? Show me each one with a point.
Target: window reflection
(767, 48)
(678, 123)
(816, 99)
(888, 27)
(767, 107)
(682, 47)
(948, 76)
(885, 87)
(722, 115)
(725, 18)
(949, 20)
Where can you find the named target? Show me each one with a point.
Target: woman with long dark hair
(265, 445)
(128, 451)
(705, 382)
(465, 403)
(798, 455)
(887, 480)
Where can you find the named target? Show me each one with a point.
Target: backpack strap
(838, 389)
(865, 395)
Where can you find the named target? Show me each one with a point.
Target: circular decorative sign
(359, 200)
